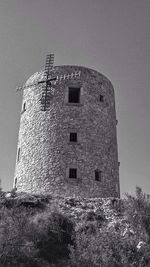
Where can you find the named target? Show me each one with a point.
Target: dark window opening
(74, 95)
(73, 137)
(101, 98)
(98, 175)
(15, 182)
(24, 107)
(73, 173)
(18, 155)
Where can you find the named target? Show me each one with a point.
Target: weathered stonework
(46, 154)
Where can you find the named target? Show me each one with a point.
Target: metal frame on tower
(45, 100)
(48, 80)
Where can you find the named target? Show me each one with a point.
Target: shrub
(15, 248)
(52, 233)
(107, 248)
(137, 210)
(37, 240)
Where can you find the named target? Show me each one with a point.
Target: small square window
(101, 98)
(73, 137)
(98, 175)
(18, 155)
(73, 173)
(15, 183)
(74, 95)
(23, 107)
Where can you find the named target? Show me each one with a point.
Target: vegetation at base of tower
(42, 231)
(125, 243)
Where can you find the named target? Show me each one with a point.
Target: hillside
(39, 230)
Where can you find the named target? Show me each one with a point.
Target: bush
(28, 239)
(137, 210)
(15, 248)
(52, 233)
(110, 247)
(107, 248)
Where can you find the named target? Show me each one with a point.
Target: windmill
(47, 92)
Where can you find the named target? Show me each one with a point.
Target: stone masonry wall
(46, 153)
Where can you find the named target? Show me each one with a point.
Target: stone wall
(46, 154)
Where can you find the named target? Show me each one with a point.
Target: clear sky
(111, 36)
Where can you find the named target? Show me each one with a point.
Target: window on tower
(73, 137)
(73, 173)
(24, 107)
(15, 183)
(98, 175)
(18, 155)
(101, 98)
(74, 95)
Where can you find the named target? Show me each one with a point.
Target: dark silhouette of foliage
(29, 238)
(53, 234)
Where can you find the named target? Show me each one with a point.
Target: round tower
(67, 141)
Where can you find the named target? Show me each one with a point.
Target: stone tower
(69, 148)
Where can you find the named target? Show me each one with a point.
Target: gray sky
(111, 36)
